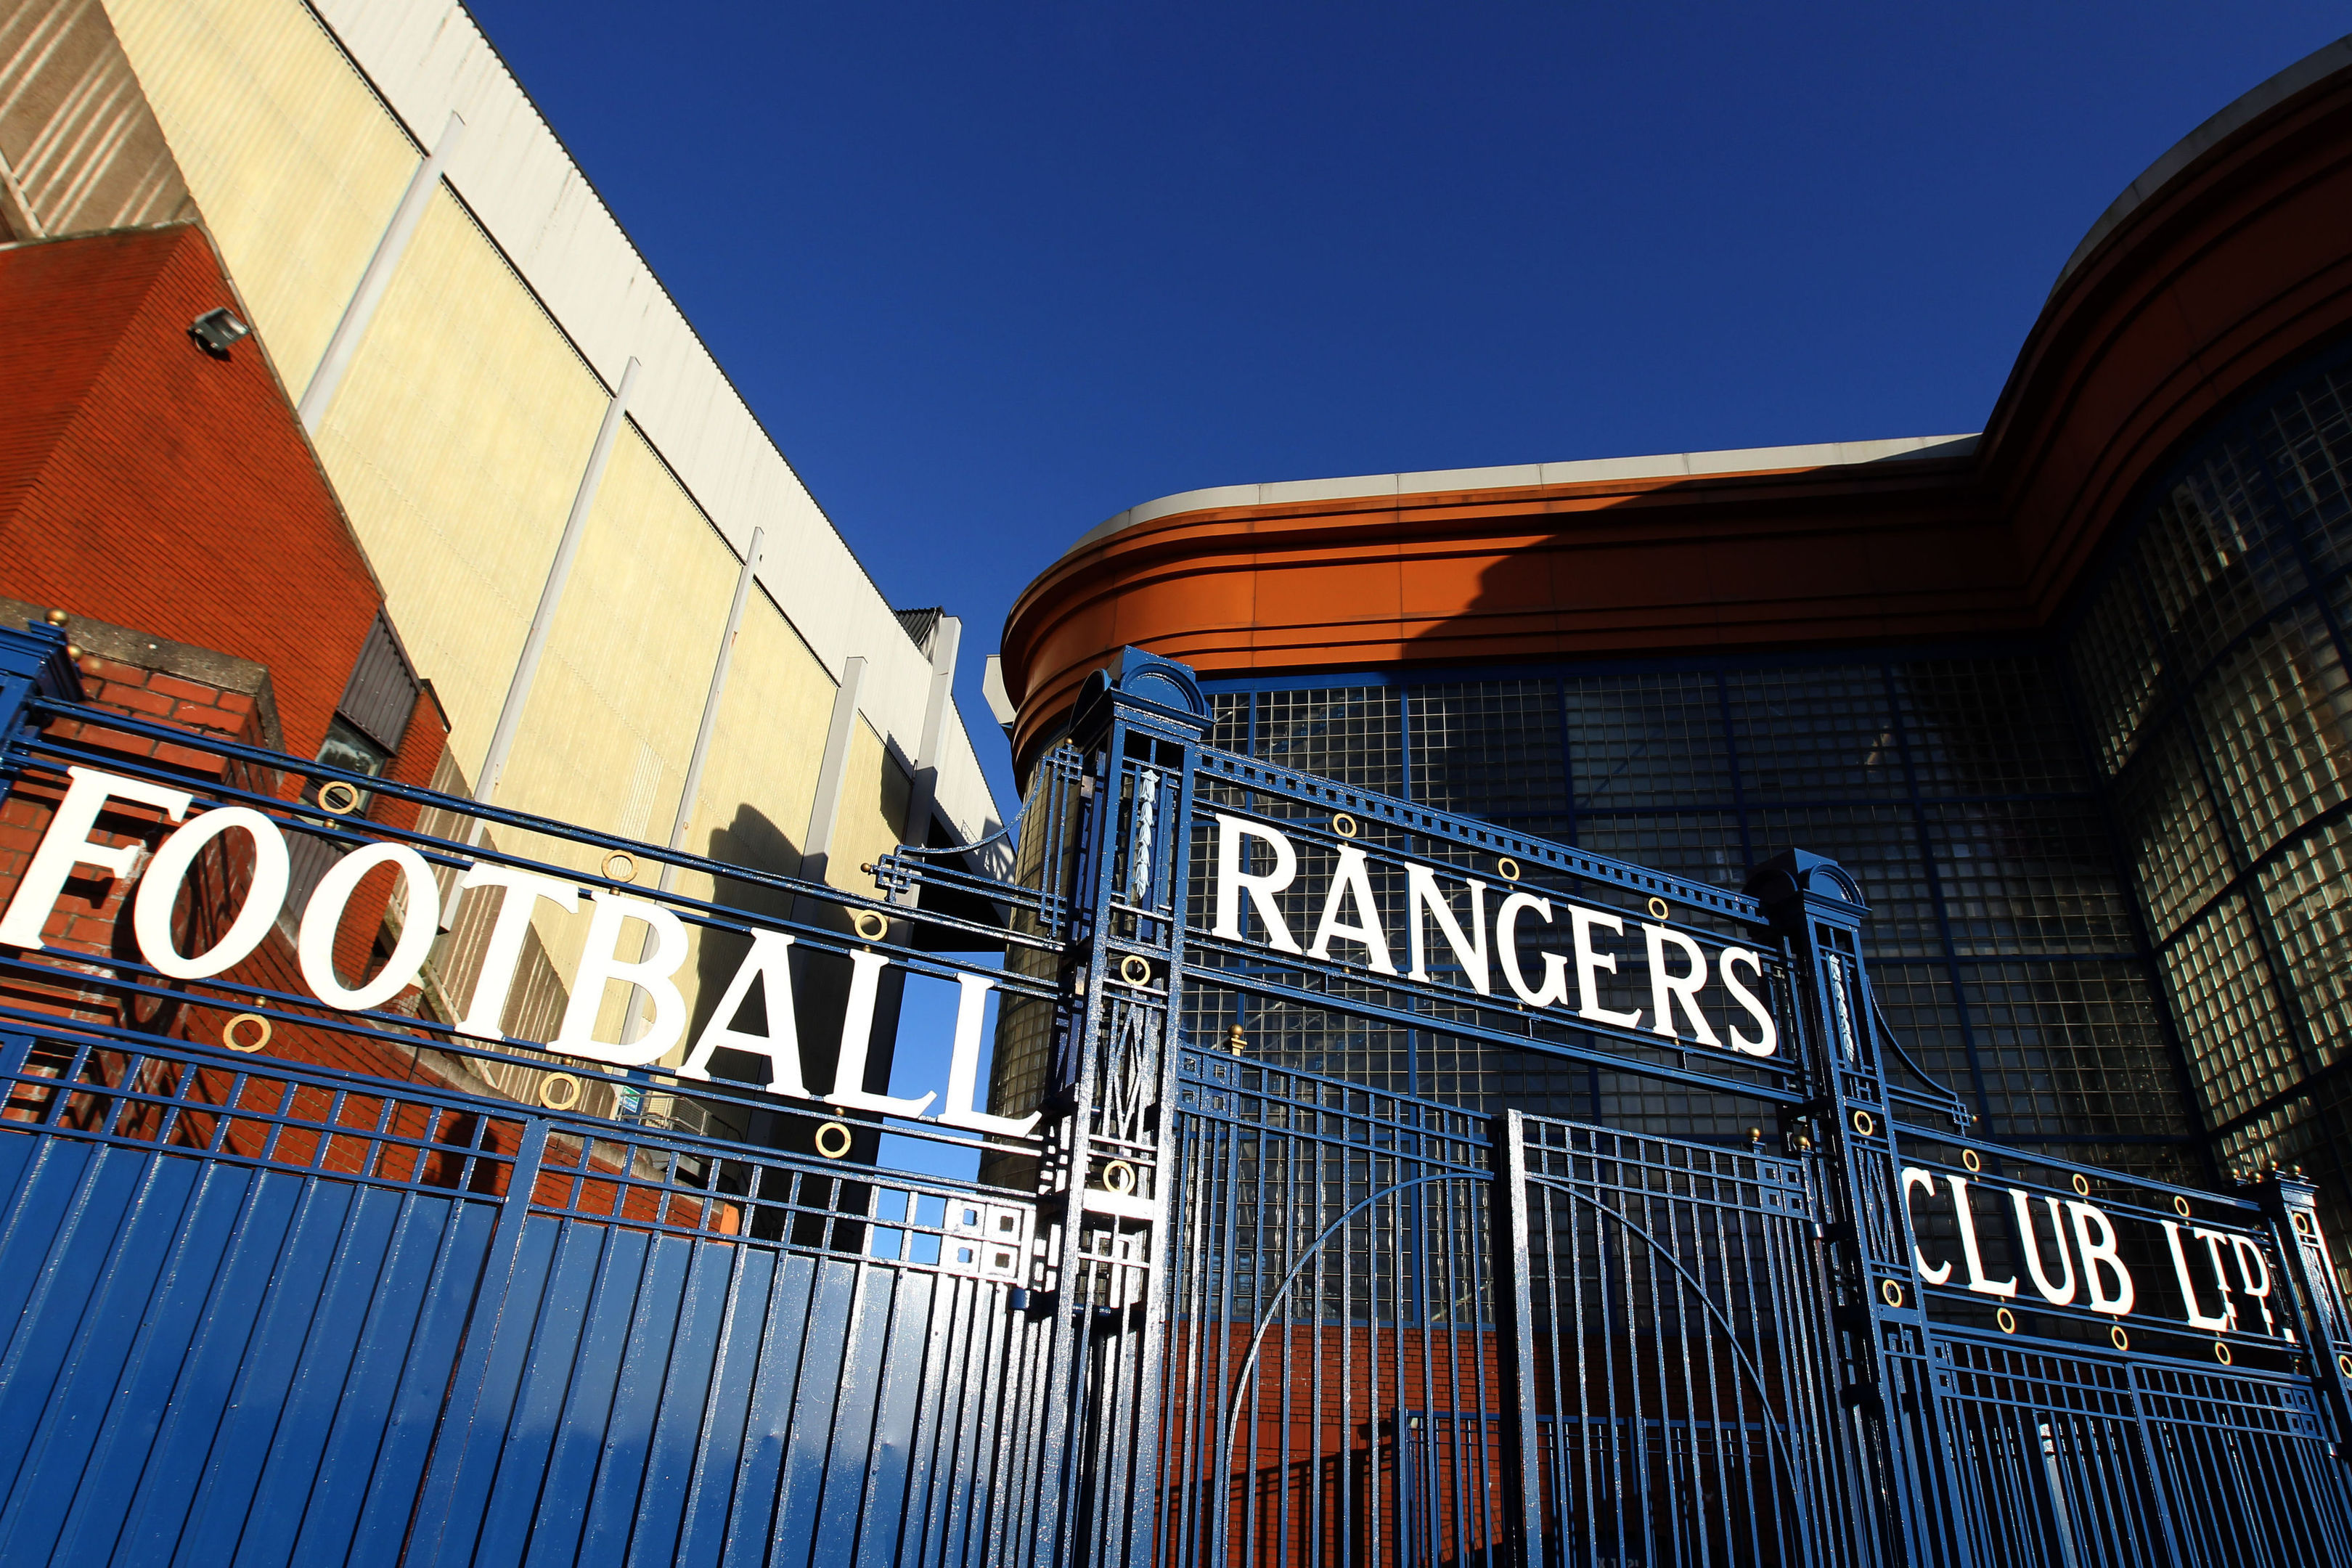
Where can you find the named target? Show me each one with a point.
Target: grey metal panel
(382, 690)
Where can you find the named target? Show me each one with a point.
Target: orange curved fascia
(1739, 561)
(2239, 265)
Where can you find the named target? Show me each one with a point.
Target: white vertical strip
(685, 819)
(946, 641)
(361, 309)
(824, 811)
(550, 596)
(743, 580)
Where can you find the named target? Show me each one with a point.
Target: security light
(216, 329)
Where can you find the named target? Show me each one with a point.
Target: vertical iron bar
(444, 1463)
(1523, 1485)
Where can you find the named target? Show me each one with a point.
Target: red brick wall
(145, 483)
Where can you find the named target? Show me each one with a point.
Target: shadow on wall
(820, 985)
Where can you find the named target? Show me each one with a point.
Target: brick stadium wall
(148, 484)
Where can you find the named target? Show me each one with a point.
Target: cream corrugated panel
(761, 776)
(628, 656)
(456, 443)
(756, 785)
(873, 810)
(430, 58)
(290, 160)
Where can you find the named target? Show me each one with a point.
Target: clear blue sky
(990, 273)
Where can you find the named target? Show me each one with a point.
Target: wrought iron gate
(288, 1277)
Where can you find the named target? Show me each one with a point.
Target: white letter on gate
(2248, 1250)
(504, 949)
(1506, 937)
(770, 964)
(159, 889)
(2056, 1295)
(963, 1068)
(600, 961)
(324, 917)
(2099, 1255)
(1232, 880)
(1588, 964)
(1684, 989)
(1913, 1176)
(1421, 892)
(1765, 1043)
(1968, 1249)
(2220, 1321)
(856, 1028)
(1353, 882)
(66, 845)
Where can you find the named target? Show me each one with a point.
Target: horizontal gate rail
(37, 746)
(37, 759)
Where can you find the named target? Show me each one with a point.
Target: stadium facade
(569, 527)
(2067, 696)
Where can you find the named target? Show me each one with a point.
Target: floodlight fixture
(216, 329)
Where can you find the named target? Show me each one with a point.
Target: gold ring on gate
(2007, 1320)
(2303, 1228)
(1659, 910)
(826, 1147)
(338, 798)
(229, 1037)
(1891, 1293)
(2221, 1352)
(2343, 1363)
(2121, 1339)
(1864, 1124)
(1135, 969)
(620, 866)
(560, 1083)
(868, 925)
(1969, 1158)
(1118, 1176)
(2082, 1185)
(1507, 868)
(1343, 824)
(2180, 1206)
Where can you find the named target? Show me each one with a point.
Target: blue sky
(991, 273)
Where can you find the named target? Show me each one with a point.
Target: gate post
(33, 663)
(2287, 1198)
(1107, 1109)
(1891, 1379)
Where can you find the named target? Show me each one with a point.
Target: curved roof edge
(1522, 476)
(2321, 63)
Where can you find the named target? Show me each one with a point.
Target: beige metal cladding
(457, 437)
(294, 164)
(428, 61)
(79, 149)
(297, 165)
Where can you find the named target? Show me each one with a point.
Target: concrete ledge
(124, 646)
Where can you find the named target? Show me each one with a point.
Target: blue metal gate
(288, 1276)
